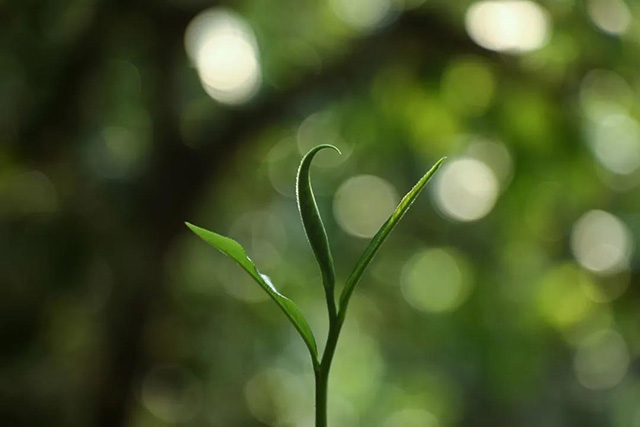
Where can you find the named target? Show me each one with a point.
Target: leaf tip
(333, 147)
(437, 165)
(197, 230)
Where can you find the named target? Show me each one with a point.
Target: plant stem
(331, 304)
(322, 381)
(322, 371)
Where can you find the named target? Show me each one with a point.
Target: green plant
(317, 236)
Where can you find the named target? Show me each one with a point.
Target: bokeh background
(509, 295)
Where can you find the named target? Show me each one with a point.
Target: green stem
(322, 371)
(322, 381)
(331, 304)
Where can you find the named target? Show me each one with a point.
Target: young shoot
(319, 242)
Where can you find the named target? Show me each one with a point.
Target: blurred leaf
(312, 221)
(382, 234)
(234, 250)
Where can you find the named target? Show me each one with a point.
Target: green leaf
(234, 250)
(312, 221)
(381, 235)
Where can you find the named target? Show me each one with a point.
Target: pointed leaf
(234, 250)
(381, 235)
(311, 220)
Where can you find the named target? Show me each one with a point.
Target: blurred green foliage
(510, 297)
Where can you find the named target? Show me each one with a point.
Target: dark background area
(509, 295)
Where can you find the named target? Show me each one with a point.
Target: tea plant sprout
(319, 242)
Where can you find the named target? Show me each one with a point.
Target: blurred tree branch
(59, 111)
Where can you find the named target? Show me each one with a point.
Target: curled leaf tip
(321, 146)
(311, 220)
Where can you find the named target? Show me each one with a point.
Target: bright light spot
(603, 92)
(466, 189)
(601, 243)
(508, 26)
(561, 300)
(172, 394)
(363, 15)
(496, 156)
(363, 203)
(321, 128)
(611, 16)
(223, 47)
(615, 141)
(601, 360)
(229, 69)
(435, 280)
(468, 86)
(278, 397)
